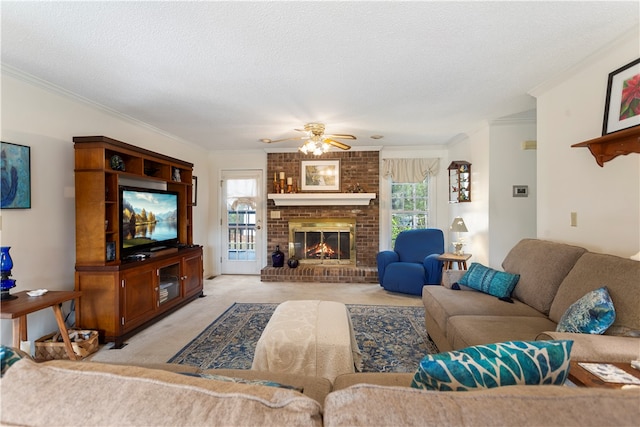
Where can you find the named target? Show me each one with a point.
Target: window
(409, 207)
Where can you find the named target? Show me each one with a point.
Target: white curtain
(409, 170)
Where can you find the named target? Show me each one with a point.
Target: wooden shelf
(610, 146)
(318, 199)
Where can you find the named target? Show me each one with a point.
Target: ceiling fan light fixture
(316, 142)
(315, 145)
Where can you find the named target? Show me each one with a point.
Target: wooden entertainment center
(119, 295)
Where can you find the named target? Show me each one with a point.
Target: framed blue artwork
(16, 176)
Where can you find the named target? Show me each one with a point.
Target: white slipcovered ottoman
(308, 337)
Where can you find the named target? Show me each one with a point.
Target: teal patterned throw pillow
(591, 314)
(495, 365)
(493, 282)
(8, 356)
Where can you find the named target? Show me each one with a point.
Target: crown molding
(60, 91)
(629, 35)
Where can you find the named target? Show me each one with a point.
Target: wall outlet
(574, 219)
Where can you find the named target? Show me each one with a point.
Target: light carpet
(391, 338)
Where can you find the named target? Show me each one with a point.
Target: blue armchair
(413, 263)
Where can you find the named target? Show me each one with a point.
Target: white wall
(496, 221)
(510, 218)
(606, 199)
(42, 238)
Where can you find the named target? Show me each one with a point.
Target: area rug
(391, 338)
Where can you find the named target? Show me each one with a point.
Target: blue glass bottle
(277, 257)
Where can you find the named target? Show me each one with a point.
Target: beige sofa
(95, 394)
(552, 277)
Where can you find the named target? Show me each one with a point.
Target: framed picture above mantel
(320, 175)
(622, 104)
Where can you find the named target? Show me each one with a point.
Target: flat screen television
(148, 220)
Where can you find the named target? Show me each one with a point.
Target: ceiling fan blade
(271, 141)
(337, 144)
(341, 136)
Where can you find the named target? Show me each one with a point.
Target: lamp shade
(458, 225)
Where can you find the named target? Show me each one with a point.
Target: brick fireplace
(356, 168)
(327, 241)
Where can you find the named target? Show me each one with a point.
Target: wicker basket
(48, 349)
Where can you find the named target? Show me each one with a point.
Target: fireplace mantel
(321, 199)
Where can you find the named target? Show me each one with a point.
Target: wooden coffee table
(583, 378)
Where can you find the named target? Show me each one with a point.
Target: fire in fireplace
(323, 241)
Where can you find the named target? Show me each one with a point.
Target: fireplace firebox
(323, 241)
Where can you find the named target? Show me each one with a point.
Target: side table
(17, 310)
(583, 378)
(450, 258)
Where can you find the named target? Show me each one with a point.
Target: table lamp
(458, 226)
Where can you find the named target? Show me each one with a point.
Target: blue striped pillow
(493, 282)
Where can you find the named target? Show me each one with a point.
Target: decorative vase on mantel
(277, 257)
(6, 264)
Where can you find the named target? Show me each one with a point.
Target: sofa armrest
(597, 348)
(449, 277)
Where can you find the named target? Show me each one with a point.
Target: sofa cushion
(621, 276)
(542, 265)
(591, 314)
(598, 348)
(465, 331)
(493, 282)
(495, 365)
(99, 394)
(442, 303)
(374, 405)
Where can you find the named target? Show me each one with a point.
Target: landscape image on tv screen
(148, 217)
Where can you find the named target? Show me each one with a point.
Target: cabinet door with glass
(169, 277)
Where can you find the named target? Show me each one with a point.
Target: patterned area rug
(392, 339)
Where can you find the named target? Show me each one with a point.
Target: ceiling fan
(317, 142)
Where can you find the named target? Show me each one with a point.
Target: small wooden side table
(583, 378)
(17, 310)
(450, 258)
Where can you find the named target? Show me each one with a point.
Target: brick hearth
(321, 274)
(356, 167)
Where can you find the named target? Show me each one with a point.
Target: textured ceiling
(225, 74)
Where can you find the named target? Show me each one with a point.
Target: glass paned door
(242, 222)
